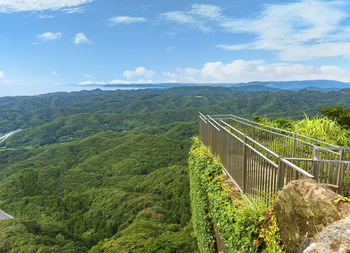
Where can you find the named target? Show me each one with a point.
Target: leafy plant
(269, 239)
(237, 221)
(324, 129)
(339, 114)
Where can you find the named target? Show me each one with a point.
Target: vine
(202, 225)
(242, 227)
(269, 238)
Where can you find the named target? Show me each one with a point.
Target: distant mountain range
(319, 85)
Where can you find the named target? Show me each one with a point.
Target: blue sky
(47, 45)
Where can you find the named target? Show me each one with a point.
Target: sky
(57, 45)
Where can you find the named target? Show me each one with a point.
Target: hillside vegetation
(243, 227)
(332, 126)
(106, 171)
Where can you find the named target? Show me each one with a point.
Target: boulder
(334, 238)
(303, 208)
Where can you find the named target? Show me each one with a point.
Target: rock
(233, 191)
(303, 208)
(332, 187)
(334, 238)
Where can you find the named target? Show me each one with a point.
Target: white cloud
(179, 17)
(126, 20)
(54, 73)
(233, 47)
(139, 81)
(116, 81)
(3, 75)
(169, 74)
(44, 16)
(9, 6)
(207, 11)
(47, 36)
(199, 16)
(246, 71)
(139, 71)
(89, 76)
(73, 10)
(300, 30)
(80, 38)
(143, 77)
(297, 31)
(89, 82)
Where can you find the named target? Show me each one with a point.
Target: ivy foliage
(200, 166)
(241, 224)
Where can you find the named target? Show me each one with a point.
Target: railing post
(294, 144)
(253, 131)
(279, 174)
(199, 128)
(341, 155)
(245, 164)
(340, 179)
(315, 156)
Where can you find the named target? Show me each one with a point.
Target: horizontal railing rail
(282, 142)
(317, 142)
(333, 172)
(261, 161)
(342, 153)
(255, 169)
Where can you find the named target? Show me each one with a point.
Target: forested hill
(106, 171)
(152, 104)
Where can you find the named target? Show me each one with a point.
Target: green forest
(107, 171)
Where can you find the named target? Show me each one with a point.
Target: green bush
(339, 114)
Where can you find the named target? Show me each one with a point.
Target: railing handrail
(252, 140)
(286, 131)
(335, 148)
(278, 129)
(316, 160)
(287, 136)
(253, 165)
(211, 123)
(301, 171)
(252, 148)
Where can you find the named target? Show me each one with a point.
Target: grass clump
(323, 129)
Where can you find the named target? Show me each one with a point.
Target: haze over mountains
(321, 85)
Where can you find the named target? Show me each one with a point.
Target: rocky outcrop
(333, 238)
(303, 208)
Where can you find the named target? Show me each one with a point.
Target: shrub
(323, 129)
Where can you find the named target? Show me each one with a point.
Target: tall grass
(323, 129)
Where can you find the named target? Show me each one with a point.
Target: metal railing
(246, 161)
(261, 159)
(280, 141)
(326, 170)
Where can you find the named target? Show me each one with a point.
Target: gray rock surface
(334, 238)
(303, 208)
